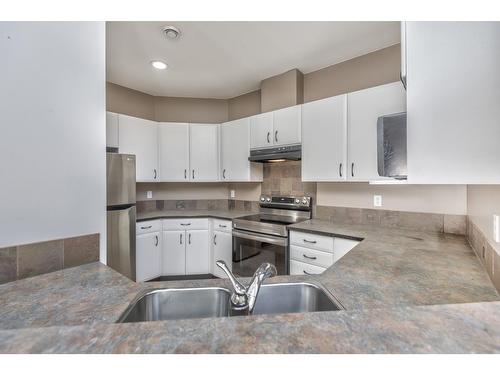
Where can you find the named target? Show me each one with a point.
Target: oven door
(250, 250)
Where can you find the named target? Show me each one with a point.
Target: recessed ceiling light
(171, 32)
(159, 64)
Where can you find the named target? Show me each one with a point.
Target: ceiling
(226, 59)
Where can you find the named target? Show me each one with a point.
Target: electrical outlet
(496, 228)
(233, 194)
(149, 194)
(377, 201)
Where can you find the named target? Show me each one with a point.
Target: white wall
(52, 123)
(443, 199)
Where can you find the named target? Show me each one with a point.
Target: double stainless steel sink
(213, 302)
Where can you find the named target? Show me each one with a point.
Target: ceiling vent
(171, 32)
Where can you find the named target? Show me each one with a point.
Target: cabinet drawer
(148, 226)
(310, 256)
(185, 224)
(300, 268)
(222, 225)
(312, 241)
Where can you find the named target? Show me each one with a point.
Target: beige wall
(443, 199)
(376, 68)
(482, 202)
(130, 102)
(283, 90)
(182, 190)
(246, 191)
(244, 105)
(171, 109)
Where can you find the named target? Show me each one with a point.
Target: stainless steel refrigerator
(121, 213)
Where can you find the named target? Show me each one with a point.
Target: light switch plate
(377, 201)
(149, 194)
(233, 194)
(496, 228)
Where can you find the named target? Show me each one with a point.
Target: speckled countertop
(387, 283)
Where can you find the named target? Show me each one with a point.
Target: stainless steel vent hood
(276, 154)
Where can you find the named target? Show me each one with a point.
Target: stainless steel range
(263, 237)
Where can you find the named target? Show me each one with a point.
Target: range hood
(276, 154)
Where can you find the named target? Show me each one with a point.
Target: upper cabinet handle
(268, 140)
(276, 136)
(154, 173)
(215, 239)
(156, 244)
(340, 169)
(224, 174)
(193, 174)
(352, 169)
(185, 174)
(180, 239)
(189, 239)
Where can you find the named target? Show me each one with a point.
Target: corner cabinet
(204, 152)
(140, 137)
(324, 134)
(173, 151)
(364, 107)
(234, 152)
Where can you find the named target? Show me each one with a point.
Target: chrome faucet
(243, 298)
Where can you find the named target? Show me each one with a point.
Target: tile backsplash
(19, 262)
(285, 178)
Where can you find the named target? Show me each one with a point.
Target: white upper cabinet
(173, 151)
(234, 152)
(324, 142)
(453, 102)
(140, 137)
(261, 130)
(363, 109)
(111, 129)
(204, 152)
(287, 126)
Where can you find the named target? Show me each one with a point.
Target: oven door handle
(260, 237)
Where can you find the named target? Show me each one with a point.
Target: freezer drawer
(121, 241)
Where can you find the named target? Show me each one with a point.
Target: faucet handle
(240, 291)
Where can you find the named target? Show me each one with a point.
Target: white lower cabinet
(197, 254)
(222, 244)
(312, 253)
(174, 253)
(148, 256)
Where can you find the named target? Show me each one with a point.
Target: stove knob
(297, 201)
(262, 199)
(268, 199)
(304, 201)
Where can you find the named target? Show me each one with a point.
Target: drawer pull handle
(185, 224)
(308, 241)
(308, 257)
(150, 226)
(222, 226)
(307, 273)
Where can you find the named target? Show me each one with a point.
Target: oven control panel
(289, 201)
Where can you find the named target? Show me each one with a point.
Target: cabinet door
(363, 109)
(235, 150)
(324, 139)
(197, 254)
(111, 129)
(261, 130)
(204, 152)
(287, 125)
(174, 253)
(174, 151)
(148, 256)
(140, 137)
(222, 243)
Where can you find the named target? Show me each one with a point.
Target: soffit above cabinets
(225, 59)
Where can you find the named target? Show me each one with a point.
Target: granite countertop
(172, 214)
(387, 284)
